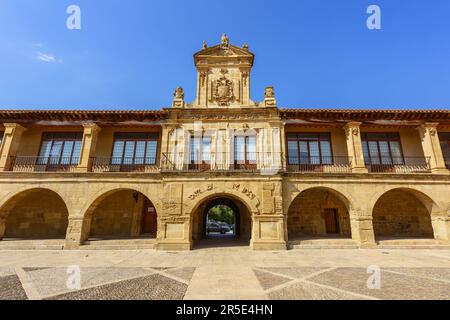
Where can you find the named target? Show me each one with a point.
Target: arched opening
(121, 214)
(221, 221)
(39, 214)
(402, 214)
(318, 213)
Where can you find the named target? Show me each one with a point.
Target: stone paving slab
(231, 273)
(393, 286)
(307, 291)
(153, 287)
(51, 281)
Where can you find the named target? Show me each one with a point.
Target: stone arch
(241, 208)
(296, 190)
(117, 213)
(105, 191)
(403, 212)
(240, 193)
(33, 213)
(317, 212)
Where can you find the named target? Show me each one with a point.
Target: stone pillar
(174, 226)
(432, 148)
(88, 146)
(354, 147)
(2, 227)
(137, 217)
(269, 225)
(10, 145)
(362, 230)
(268, 232)
(284, 155)
(77, 232)
(441, 227)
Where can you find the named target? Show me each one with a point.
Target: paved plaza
(225, 273)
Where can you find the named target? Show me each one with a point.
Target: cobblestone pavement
(224, 273)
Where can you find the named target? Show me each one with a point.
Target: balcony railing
(399, 165)
(136, 164)
(447, 162)
(43, 164)
(319, 164)
(263, 162)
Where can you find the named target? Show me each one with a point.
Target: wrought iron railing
(43, 164)
(399, 165)
(263, 162)
(326, 164)
(120, 164)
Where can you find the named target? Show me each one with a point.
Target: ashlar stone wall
(400, 213)
(306, 215)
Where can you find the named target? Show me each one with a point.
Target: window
(135, 148)
(200, 150)
(60, 148)
(444, 137)
(245, 150)
(309, 148)
(382, 149)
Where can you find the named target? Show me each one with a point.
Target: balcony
(322, 164)
(257, 162)
(44, 164)
(136, 164)
(399, 165)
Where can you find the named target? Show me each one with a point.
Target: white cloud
(46, 57)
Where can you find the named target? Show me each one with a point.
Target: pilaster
(354, 147)
(10, 145)
(90, 136)
(432, 147)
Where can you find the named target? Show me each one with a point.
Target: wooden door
(332, 221)
(149, 221)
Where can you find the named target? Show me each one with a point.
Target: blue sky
(132, 54)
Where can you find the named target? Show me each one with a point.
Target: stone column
(10, 145)
(88, 146)
(174, 226)
(441, 227)
(269, 225)
(354, 147)
(2, 227)
(362, 229)
(284, 155)
(432, 148)
(76, 232)
(137, 217)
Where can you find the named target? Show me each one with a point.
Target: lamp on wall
(136, 196)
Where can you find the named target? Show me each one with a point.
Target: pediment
(218, 52)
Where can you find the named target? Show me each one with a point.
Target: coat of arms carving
(222, 91)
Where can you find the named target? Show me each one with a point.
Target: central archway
(221, 221)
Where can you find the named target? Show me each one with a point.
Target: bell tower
(223, 76)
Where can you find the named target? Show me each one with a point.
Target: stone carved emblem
(223, 92)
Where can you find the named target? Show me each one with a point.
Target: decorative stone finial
(204, 46)
(269, 97)
(225, 41)
(245, 46)
(178, 98)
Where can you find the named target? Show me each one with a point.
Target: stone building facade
(290, 175)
